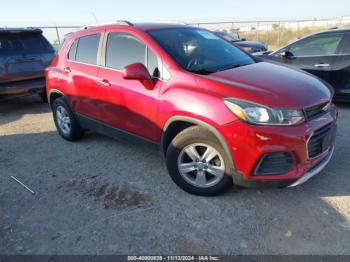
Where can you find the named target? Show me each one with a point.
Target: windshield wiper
(202, 71)
(227, 67)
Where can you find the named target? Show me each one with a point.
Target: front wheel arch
(186, 122)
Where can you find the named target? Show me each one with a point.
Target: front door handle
(67, 70)
(104, 83)
(322, 65)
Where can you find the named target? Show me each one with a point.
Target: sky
(45, 12)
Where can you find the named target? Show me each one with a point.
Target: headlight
(261, 115)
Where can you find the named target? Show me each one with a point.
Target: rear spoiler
(20, 30)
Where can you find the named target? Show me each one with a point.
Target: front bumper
(315, 170)
(248, 143)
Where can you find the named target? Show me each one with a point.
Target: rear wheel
(65, 121)
(198, 164)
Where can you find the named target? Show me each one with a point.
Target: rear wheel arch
(177, 124)
(54, 94)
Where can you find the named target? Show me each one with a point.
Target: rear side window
(123, 49)
(86, 50)
(26, 43)
(322, 45)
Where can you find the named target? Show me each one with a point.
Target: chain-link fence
(273, 33)
(276, 33)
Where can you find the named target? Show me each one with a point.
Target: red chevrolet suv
(217, 114)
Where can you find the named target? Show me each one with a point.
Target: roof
(20, 30)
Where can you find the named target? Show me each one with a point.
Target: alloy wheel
(201, 165)
(63, 120)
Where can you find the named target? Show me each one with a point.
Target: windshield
(200, 51)
(229, 37)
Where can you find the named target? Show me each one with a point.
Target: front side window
(316, 46)
(200, 51)
(124, 49)
(87, 49)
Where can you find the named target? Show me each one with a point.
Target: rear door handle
(104, 83)
(322, 65)
(67, 70)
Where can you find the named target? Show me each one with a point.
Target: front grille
(321, 140)
(316, 111)
(275, 164)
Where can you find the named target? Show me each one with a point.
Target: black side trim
(104, 129)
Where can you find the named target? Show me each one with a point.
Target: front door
(126, 104)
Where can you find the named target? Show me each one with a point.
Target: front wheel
(198, 164)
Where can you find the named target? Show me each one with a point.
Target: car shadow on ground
(13, 109)
(101, 195)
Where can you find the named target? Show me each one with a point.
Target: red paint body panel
(129, 106)
(247, 143)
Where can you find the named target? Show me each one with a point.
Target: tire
(43, 96)
(199, 180)
(74, 132)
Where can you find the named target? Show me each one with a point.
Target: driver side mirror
(138, 72)
(287, 54)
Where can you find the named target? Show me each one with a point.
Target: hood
(271, 85)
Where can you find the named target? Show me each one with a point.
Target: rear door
(23, 55)
(316, 54)
(341, 71)
(127, 104)
(81, 70)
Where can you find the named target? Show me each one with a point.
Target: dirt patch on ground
(112, 196)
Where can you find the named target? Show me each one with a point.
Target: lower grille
(321, 140)
(275, 164)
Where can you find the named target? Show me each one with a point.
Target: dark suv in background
(325, 54)
(24, 55)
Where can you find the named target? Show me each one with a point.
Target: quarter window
(87, 49)
(324, 45)
(73, 50)
(152, 64)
